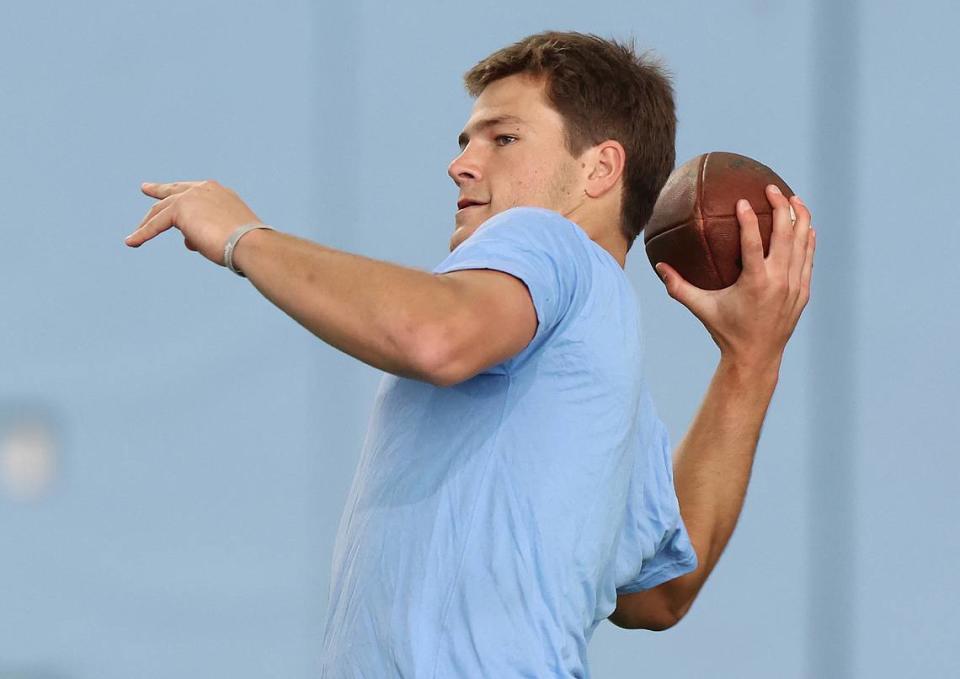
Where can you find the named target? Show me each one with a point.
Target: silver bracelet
(232, 243)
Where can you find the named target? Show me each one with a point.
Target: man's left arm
(437, 328)
(412, 323)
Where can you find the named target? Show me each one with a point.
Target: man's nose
(463, 168)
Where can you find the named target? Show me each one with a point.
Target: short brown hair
(603, 90)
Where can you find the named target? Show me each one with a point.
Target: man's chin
(459, 235)
(466, 225)
(462, 233)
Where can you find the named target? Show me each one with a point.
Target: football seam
(686, 220)
(698, 212)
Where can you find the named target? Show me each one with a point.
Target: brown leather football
(694, 225)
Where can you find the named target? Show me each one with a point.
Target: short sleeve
(654, 546)
(542, 249)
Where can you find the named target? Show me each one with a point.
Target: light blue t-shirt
(490, 524)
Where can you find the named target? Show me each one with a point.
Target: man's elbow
(432, 361)
(439, 364)
(675, 611)
(437, 369)
(666, 619)
(660, 624)
(655, 622)
(649, 610)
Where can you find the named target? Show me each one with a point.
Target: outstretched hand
(205, 212)
(752, 319)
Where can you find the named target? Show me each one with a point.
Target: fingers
(806, 274)
(781, 243)
(677, 287)
(162, 221)
(798, 249)
(150, 226)
(164, 190)
(751, 244)
(157, 207)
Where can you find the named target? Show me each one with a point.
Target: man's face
(512, 153)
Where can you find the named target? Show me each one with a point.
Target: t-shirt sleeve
(654, 546)
(537, 246)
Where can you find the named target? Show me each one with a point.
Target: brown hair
(603, 90)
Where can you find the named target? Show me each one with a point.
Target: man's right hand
(751, 320)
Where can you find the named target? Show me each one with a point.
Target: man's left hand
(205, 212)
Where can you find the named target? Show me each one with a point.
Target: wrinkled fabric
(490, 524)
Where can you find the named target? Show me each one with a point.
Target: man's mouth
(465, 203)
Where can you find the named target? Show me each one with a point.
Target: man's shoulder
(536, 221)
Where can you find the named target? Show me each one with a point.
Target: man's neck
(597, 227)
(616, 246)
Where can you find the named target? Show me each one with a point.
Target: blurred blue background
(175, 452)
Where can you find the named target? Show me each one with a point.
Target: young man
(515, 486)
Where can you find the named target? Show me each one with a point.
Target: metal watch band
(232, 243)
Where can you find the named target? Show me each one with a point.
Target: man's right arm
(751, 323)
(711, 470)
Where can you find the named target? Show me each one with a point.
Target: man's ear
(606, 163)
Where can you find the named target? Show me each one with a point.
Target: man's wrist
(751, 371)
(245, 247)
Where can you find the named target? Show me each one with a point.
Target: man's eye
(501, 137)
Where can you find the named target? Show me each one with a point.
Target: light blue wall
(208, 442)
(907, 365)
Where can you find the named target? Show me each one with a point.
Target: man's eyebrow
(487, 123)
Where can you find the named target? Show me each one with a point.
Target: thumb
(677, 285)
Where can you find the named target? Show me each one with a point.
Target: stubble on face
(541, 174)
(557, 193)
(562, 189)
